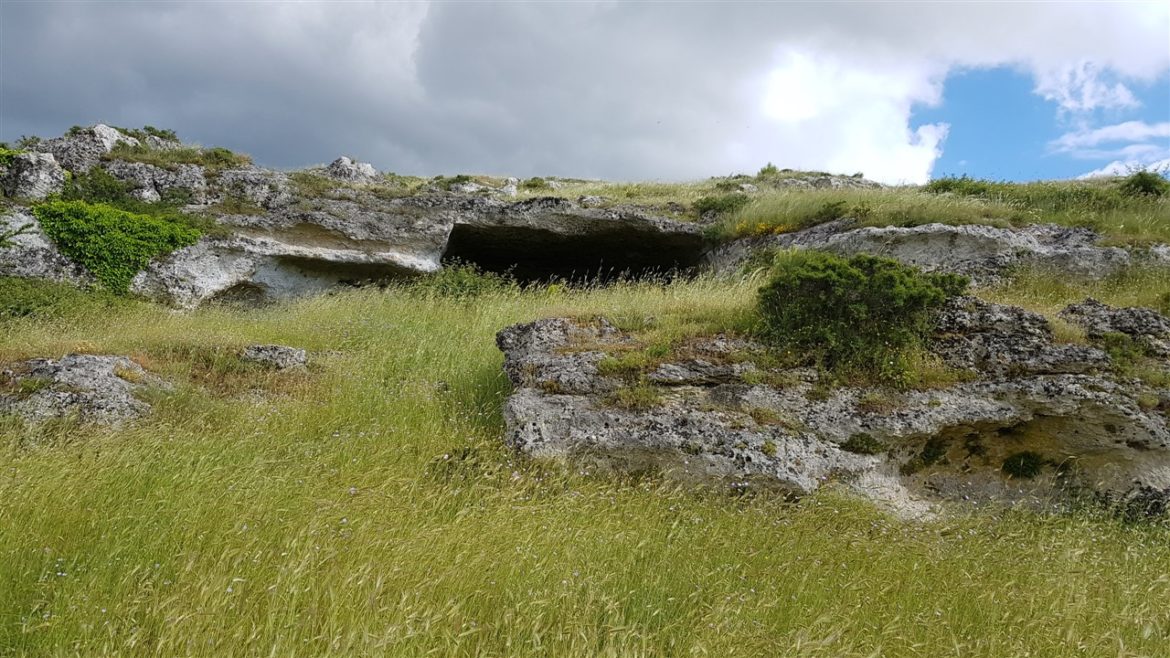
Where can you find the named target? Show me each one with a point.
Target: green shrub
(1145, 184)
(460, 280)
(768, 170)
(863, 444)
(535, 183)
(112, 244)
(863, 314)
(721, 205)
(7, 155)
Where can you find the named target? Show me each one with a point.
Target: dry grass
(378, 513)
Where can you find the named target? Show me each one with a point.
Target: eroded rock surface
(83, 148)
(1032, 422)
(984, 253)
(33, 255)
(98, 389)
(32, 176)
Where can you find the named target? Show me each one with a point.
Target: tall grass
(1122, 220)
(371, 508)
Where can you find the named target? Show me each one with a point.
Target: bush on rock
(112, 244)
(861, 315)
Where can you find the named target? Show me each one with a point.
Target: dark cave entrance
(535, 255)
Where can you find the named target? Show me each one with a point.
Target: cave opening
(533, 255)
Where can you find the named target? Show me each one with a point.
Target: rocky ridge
(1033, 421)
(289, 234)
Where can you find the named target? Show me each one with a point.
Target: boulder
(98, 389)
(32, 176)
(83, 148)
(1034, 423)
(346, 169)
(277, 357)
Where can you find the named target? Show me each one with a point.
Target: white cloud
(615, 90)
(1120, 168)
(1083, 87)
(1129, 131)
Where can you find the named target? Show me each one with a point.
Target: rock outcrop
(33, 255)
(32, 176)
(151, 183)
(295, 249)
(983, 253)
(82, 148)
(346, 169)
(98, 389)
(1030, 422)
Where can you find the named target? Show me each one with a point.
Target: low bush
(863, 315)
(460, 280)
(721, 205)
(535, 183)
(114, 245)
(1145, 184)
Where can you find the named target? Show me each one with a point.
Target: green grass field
(369, 508)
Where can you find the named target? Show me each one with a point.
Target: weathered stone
(279, 357)
(346, 169)
(1147, 326)
(1038, 424)
(1006, 340)
(33, 255)
(99, 389)
(983, 253)
(83, 149)
(261, 187)
(33, 176)
(151, 183)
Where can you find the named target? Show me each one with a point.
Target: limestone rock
(1006, 340)
(33, 176)
(151, 183)
(33, 255)
(983, 253)
(346, 169)
(278, 357)
(1147, 326)
(84, 148)
(261, 187)
(98, 389)
(1037, 423)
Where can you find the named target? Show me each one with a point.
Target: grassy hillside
(368, 507)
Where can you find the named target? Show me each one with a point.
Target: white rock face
(81, 151)
(33, 176)
(33, 255)
(346, 169)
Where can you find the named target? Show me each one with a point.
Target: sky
(899, 91)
